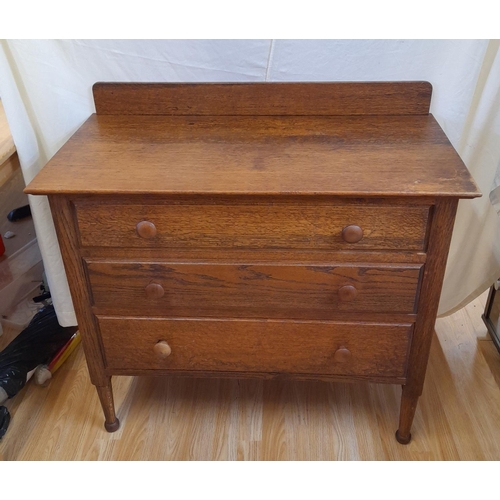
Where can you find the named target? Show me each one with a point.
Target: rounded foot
(113, 426)
(402, 440)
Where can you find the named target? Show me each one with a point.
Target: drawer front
(257, 346)
(270, 226)
(251, 290)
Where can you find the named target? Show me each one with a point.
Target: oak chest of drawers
(264, 230)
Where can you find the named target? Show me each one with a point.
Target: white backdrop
(45, 86)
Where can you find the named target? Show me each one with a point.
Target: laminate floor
(458, 417)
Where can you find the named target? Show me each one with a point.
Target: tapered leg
(409, 400)
(105, 393)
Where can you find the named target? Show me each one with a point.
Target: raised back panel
(263, 99)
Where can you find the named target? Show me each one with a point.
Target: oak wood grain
(276, 346)
(249, 290)
(194, 200)
(267, 375)
(64, 221)
(443, 218)
(341, 156)
(105, 394)
(271, 225)
(178, 418)
(259, 99)
(257, 256)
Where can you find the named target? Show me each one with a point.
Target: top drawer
(259, 226)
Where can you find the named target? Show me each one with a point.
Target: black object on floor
(42, 297)
(19, 213)
(35, 345)
(4, 421)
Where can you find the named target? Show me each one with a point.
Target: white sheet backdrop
(45, 86)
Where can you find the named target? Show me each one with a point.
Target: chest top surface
(341, 139)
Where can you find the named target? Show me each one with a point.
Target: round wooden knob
(162, 349)
(347, 293)
(146, 229)
(342, 354)
(352, 234)
(154, 291)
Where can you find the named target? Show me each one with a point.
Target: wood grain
(293, 256)
(260, 99)
(249, 290)
(259, 346)
(197, 182)
(105, 394)
(443, 219)
(341, 156)
(63, 215)
(267, 375)
(271, 225)
(175, 418)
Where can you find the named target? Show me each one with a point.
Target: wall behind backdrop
(46, 90)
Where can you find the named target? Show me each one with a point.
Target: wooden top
(350, 155)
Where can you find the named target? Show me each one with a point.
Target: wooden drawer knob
(342, 355)
(352, 234)
(154, 291)
(347, 293)
(146, 229)
(162, 349)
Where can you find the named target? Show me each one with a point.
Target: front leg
(409, 400)
(105, 393)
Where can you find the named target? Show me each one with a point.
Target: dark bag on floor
(35, 345)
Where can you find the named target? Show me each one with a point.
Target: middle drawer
(251, 290)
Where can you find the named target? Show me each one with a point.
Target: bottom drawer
(307, 347)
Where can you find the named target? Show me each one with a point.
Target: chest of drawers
(257, 230)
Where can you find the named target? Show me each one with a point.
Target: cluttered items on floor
(39, 350)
